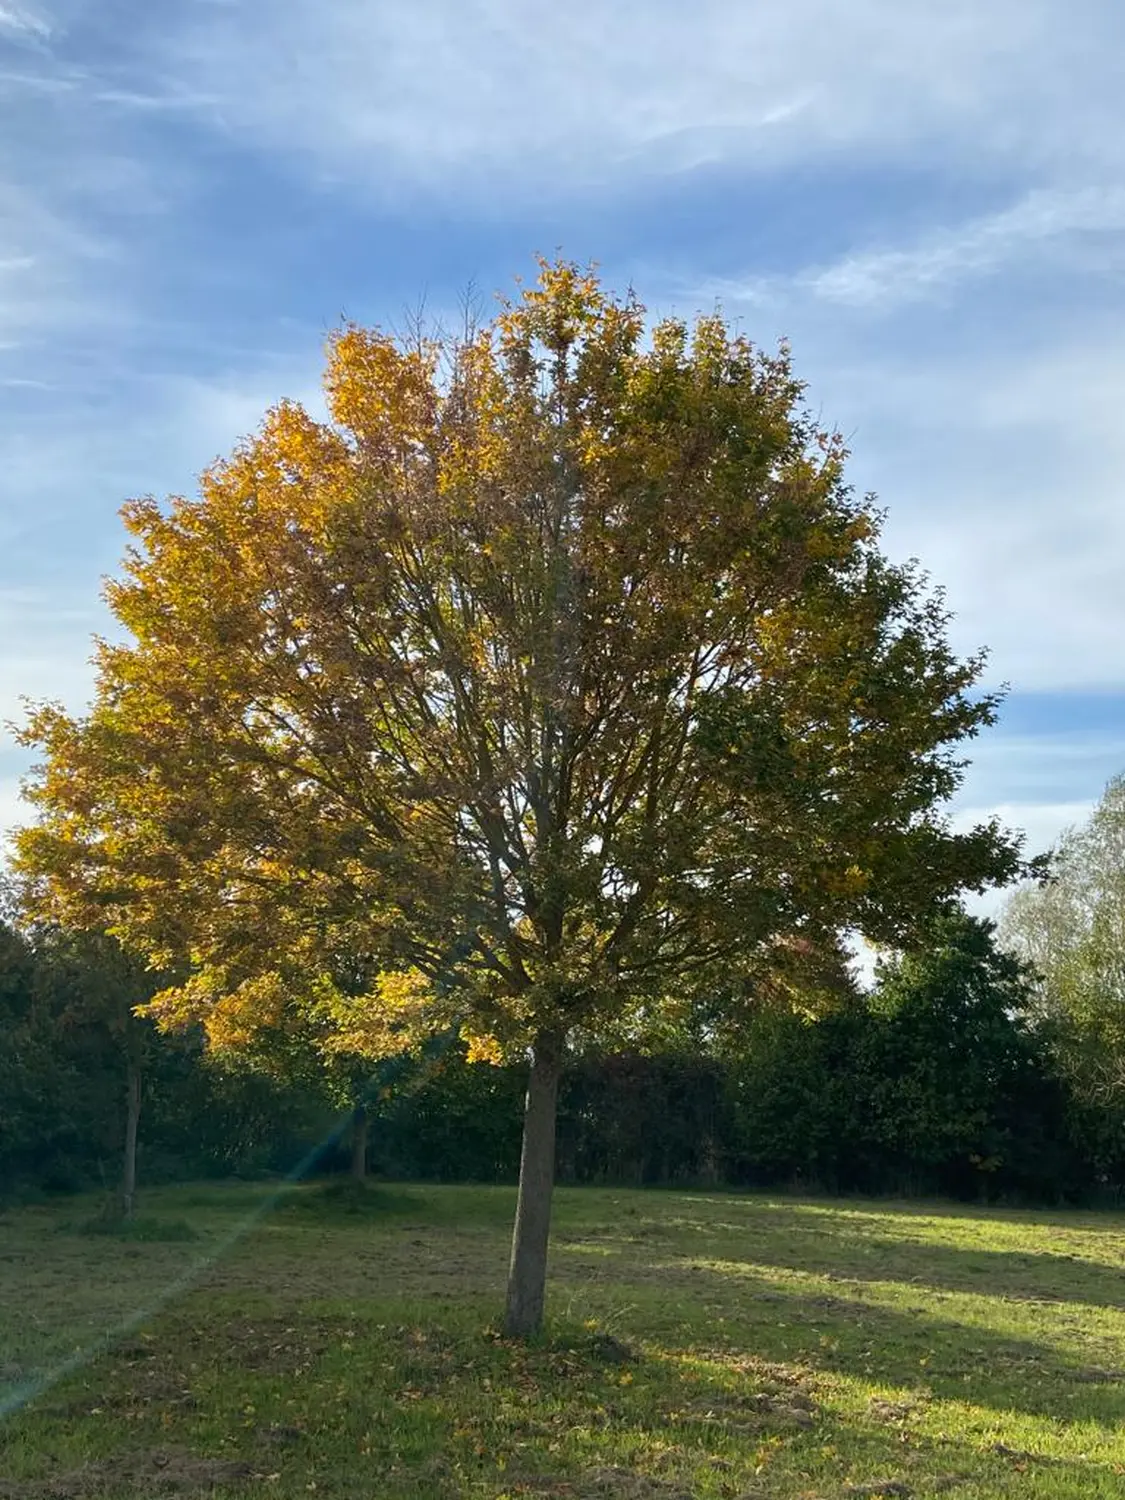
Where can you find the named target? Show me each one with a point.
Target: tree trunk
(527, 1276)
(361, 1122)
(132, 1120)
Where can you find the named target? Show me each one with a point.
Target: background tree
(939, 1080)
(73, 1056)
(33, 1078)
(93, 989)
(298, 1056)
(957, 1076)
(557, 679)
(64, 1090)
(1071, 930)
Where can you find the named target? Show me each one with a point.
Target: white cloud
(1041, 224)
(1001, 468)
(1043, 822)
(487, 93)
(1022, 512)
(21, 21)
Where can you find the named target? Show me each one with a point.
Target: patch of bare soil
(878, 1488)
(752, 1412)
(276, 1345)
(768, 1396)
(162, 1471)
(139, 1377)
(891, 1411)
(598, 1484)
(778, 1376)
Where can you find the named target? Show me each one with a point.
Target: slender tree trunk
(132, 1120)
(527, 1276)
(361, 1124)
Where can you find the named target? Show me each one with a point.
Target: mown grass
(700, 1346)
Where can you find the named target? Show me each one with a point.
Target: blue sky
(928, 199)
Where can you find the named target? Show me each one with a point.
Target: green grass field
(700, 1346)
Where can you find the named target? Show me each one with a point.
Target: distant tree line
(953, 1076)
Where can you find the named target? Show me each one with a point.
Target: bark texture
(132, 1122)
(527, 1275)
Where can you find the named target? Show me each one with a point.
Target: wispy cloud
(21, 21)
(50, 256)
(1041, 224)
(1022, 773)
(170, 101)
(1001, 469)
(74, 187)
(538, 96)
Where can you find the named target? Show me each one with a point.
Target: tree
(73, 1055)
(939, 1080)
(1071, 929)
(957, 1082)
(555, 682)
(95, 990)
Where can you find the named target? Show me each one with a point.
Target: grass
(700, 1346)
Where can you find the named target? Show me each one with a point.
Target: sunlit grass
(701, 1345)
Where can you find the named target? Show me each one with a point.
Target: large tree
(556, 682)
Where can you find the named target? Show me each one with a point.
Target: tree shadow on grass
(831, 1247)
(887, 1346)
(1033, 1276)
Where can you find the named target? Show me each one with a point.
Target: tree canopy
(557, 681)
